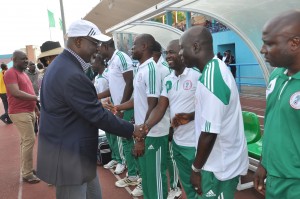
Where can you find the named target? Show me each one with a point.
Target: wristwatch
(195, 169)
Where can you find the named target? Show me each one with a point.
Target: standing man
(4, 117)
(280, 160)
(165, 70)
(178, 93)
(120, 80)
(21, 108)
(33, 75)
(71, 116)
(152, 150)
(221, 150)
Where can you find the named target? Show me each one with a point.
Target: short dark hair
(157, 47)
(3, 66)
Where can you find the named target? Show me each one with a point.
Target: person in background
(22, 111)
(280, 159)
(4, 117)
(221, 153)
(33, 75)
(71, 116)
(40, 66)
(220, 56)
(229, 59)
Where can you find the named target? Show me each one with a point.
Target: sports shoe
(120, 168)
(174, 193)
(127, 181)
(110, 165)
(32, 179)
(138, 191)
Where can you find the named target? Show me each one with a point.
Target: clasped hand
(139, 135)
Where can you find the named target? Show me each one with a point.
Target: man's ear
(295, 43)
(196, 47)
(77, 42)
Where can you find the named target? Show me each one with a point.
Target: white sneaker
(119, 169)
(174, 193)
(138, 191)
(110, 165)
(127, 181)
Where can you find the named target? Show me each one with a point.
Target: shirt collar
(145, 62)
(83, 64)
(184, 73)
(112, 57)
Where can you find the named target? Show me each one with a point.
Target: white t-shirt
(147, 83)
(117, 65)
(101, 82)
(218, 110)
(180, 91)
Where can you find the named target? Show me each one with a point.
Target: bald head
(281, 38)
(142, 48)
(287, 24)
(20, 60)
(196, 46)
(148, 40)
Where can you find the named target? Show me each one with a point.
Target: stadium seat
(254, 149)
(251, 127)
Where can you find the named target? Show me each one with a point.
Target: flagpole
(63, 20)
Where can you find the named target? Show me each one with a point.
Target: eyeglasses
(97, 43)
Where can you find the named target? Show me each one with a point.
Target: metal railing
(242, 79)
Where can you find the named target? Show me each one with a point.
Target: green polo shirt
(281, 143)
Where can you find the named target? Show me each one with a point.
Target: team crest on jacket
(187, 85)
(295, 100)
(270, 87)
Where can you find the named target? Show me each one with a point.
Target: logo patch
(151, 147)
(168, 86)
(295, 100)
(270, 87)
(187, 84)
(210, 193)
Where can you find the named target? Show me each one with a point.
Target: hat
(50, 48)
(82, 28)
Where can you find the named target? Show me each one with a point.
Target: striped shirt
(119, 64)
(84, 65)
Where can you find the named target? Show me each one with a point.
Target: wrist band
(195, 169)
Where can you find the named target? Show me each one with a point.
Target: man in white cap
(71, 116)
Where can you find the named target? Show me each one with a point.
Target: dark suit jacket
(70, 118)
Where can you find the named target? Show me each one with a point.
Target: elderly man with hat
(71, 116)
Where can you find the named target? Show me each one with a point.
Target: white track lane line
(119, 178)
(20, 187)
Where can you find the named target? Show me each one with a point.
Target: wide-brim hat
(50, 48)
(82, 28)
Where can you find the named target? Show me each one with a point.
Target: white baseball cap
(82, 28)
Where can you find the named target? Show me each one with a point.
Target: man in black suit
(71, 116)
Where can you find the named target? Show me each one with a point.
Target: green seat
(254, 149)
(251, 127)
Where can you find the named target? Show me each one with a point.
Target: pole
(63, 20)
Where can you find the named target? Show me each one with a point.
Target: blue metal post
(188, 19)
(169, 18)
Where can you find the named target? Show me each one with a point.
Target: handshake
(139, 135)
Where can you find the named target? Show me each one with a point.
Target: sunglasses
(97, 43)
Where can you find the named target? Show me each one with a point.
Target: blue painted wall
(229, 40)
